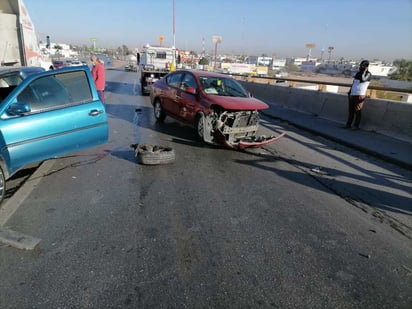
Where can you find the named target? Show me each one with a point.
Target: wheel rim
(158, 110)
(200, 126)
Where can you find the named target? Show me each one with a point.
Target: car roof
(198, 73)
(23, 71)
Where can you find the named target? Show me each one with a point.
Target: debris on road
(18, 240)
(153, 154)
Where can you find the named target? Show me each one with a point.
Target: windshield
(222, 86)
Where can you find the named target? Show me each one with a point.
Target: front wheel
(200, 127)
(158, 111)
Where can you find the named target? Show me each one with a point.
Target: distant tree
(126, 49)
(291, 68)
(58, 49)
(123, 50)
(204, 61)
(404, 70)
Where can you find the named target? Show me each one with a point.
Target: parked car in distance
(44, 114)
(216, 105)
(57, 64)
(131, 67)
(76, 63)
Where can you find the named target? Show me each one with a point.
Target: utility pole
(173, 66)
(216, 40)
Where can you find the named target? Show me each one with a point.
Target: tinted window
(56, 91)
(8, 83)
(174, 80)
(189, 81)
(77, 86)
(12, 79)
(161, 55)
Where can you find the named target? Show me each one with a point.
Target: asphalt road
(298, 224)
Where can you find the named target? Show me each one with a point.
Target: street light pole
(214, 66)
(174, 25)
(173, 67)
(216, 39)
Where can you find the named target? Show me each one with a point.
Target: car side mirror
(17, 109)
(191, 90)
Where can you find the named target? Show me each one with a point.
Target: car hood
(237, 103)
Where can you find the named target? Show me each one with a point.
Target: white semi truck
(154, 63)
(18, 43)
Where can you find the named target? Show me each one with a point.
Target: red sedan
(216, 105)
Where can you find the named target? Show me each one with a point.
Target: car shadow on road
(127, 154)
(120, 88)
(345, 184)
(142, 116)
(18, 179)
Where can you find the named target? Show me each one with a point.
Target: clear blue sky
(372, 29)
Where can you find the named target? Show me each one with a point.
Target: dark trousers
(355, 105)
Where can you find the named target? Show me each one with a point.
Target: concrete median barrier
(390, 118)
(397, 120)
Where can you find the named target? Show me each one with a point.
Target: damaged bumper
(248, 142)
(261, 141)
(236, 130)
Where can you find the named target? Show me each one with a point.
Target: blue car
(44, 114)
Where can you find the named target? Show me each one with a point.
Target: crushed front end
(235, 129)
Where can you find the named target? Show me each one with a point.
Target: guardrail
(403, 94)
(388, 117)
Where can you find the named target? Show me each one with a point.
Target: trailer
(154, 63)
(18, 44)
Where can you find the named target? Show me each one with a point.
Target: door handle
(95, 112)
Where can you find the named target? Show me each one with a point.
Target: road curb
(13, 203)
(13, 238)
(337, 139)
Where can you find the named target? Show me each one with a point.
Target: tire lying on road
(153, 154)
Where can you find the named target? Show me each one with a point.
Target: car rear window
(8, 83)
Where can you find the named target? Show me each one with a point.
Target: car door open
(63, 115)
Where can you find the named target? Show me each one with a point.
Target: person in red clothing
(98, 76)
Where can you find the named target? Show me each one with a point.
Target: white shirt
(359, 88)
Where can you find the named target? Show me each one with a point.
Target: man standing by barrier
(357, 94)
